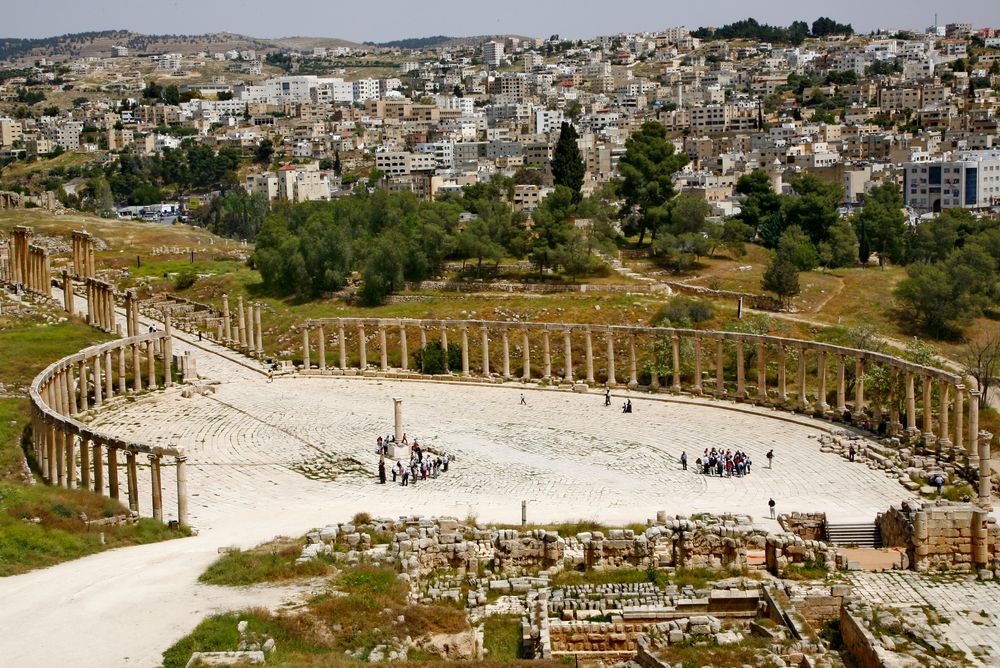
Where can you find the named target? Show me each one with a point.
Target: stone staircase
(862, 534)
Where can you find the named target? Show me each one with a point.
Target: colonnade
(241, 330)
(70, 454)
(38, 278)
(83, 255)
(101, 305)
(20, 241)
(826, 380)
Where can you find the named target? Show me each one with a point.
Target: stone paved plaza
(252, 444)
(969, 609)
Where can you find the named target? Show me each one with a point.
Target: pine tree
(781, 278)
(567, 161)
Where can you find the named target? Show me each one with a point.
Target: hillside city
(652, 349)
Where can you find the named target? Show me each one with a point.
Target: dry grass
(273, 561)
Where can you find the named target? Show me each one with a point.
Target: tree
(796, 247)
(567, 162)
(759, 199)
(647, 168)
(781, 278)
(824, 26)
(980, 358)
(338, 167)
(552, 226)
(735, 236)
(688, 214)
(840, 248)
(813, 207)
(881, 224)
(263, 152)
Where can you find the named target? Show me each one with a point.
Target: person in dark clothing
(607, 397)
(684, 461)
(381, 470)
(850, 452)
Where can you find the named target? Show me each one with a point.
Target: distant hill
(100, 43)
(438, 41)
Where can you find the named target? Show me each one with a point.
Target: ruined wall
(808, 526)
(860, 642)
(942, 535)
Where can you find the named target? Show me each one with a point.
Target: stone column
(546, 355)
(485, 335)
(113, 491)
(741, 387)
(697, 389)
(505, 340)
(150, 366)
(182, 497)
(85, 479)
(841, 386)
(973, 429)
(633, 376)
(465, 350)
(911, 406)
(72, 406)
(527, 354)
(242, 321)
(803, 403)
(567, 356)
(109, 376)
(611, 359)
(383, 349)
(944, 431)
(859, 387)
(98, 382)
(54, 458)
(322, 348)
(68, 292)
(720, 367)
(226, 320)
(821, 406)
(82, 385)
(70, 443)
(122, 388)
(761, 372)
(61, 455)
(167, 343)
(588, 353)
(362, 347)
(257, 330)
(959, 416)
(132, 473)
(423, 335)
(136, 369)
(157, 495)
(98, 468)
(404, 348)
(444, 346)
(341, 345)
(675, 362)
(928, 416)
(985, 484)
(251, 336)
(305, 348)
(397, 415)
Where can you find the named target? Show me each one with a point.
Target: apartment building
(10, 131)
(971, 181)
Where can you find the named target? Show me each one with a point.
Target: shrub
(184, 280)
(431, 358)
(683, 312)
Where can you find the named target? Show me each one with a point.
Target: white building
(492, 53)
(366, 89)
(972, 181)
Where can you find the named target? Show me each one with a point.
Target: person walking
(684, 461)
(270, 376)
(770, 458)
(850, 453)
(523, 402)
(381, 470)
(607, 397)
(770, 505)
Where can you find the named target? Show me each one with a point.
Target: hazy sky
(383, 20)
